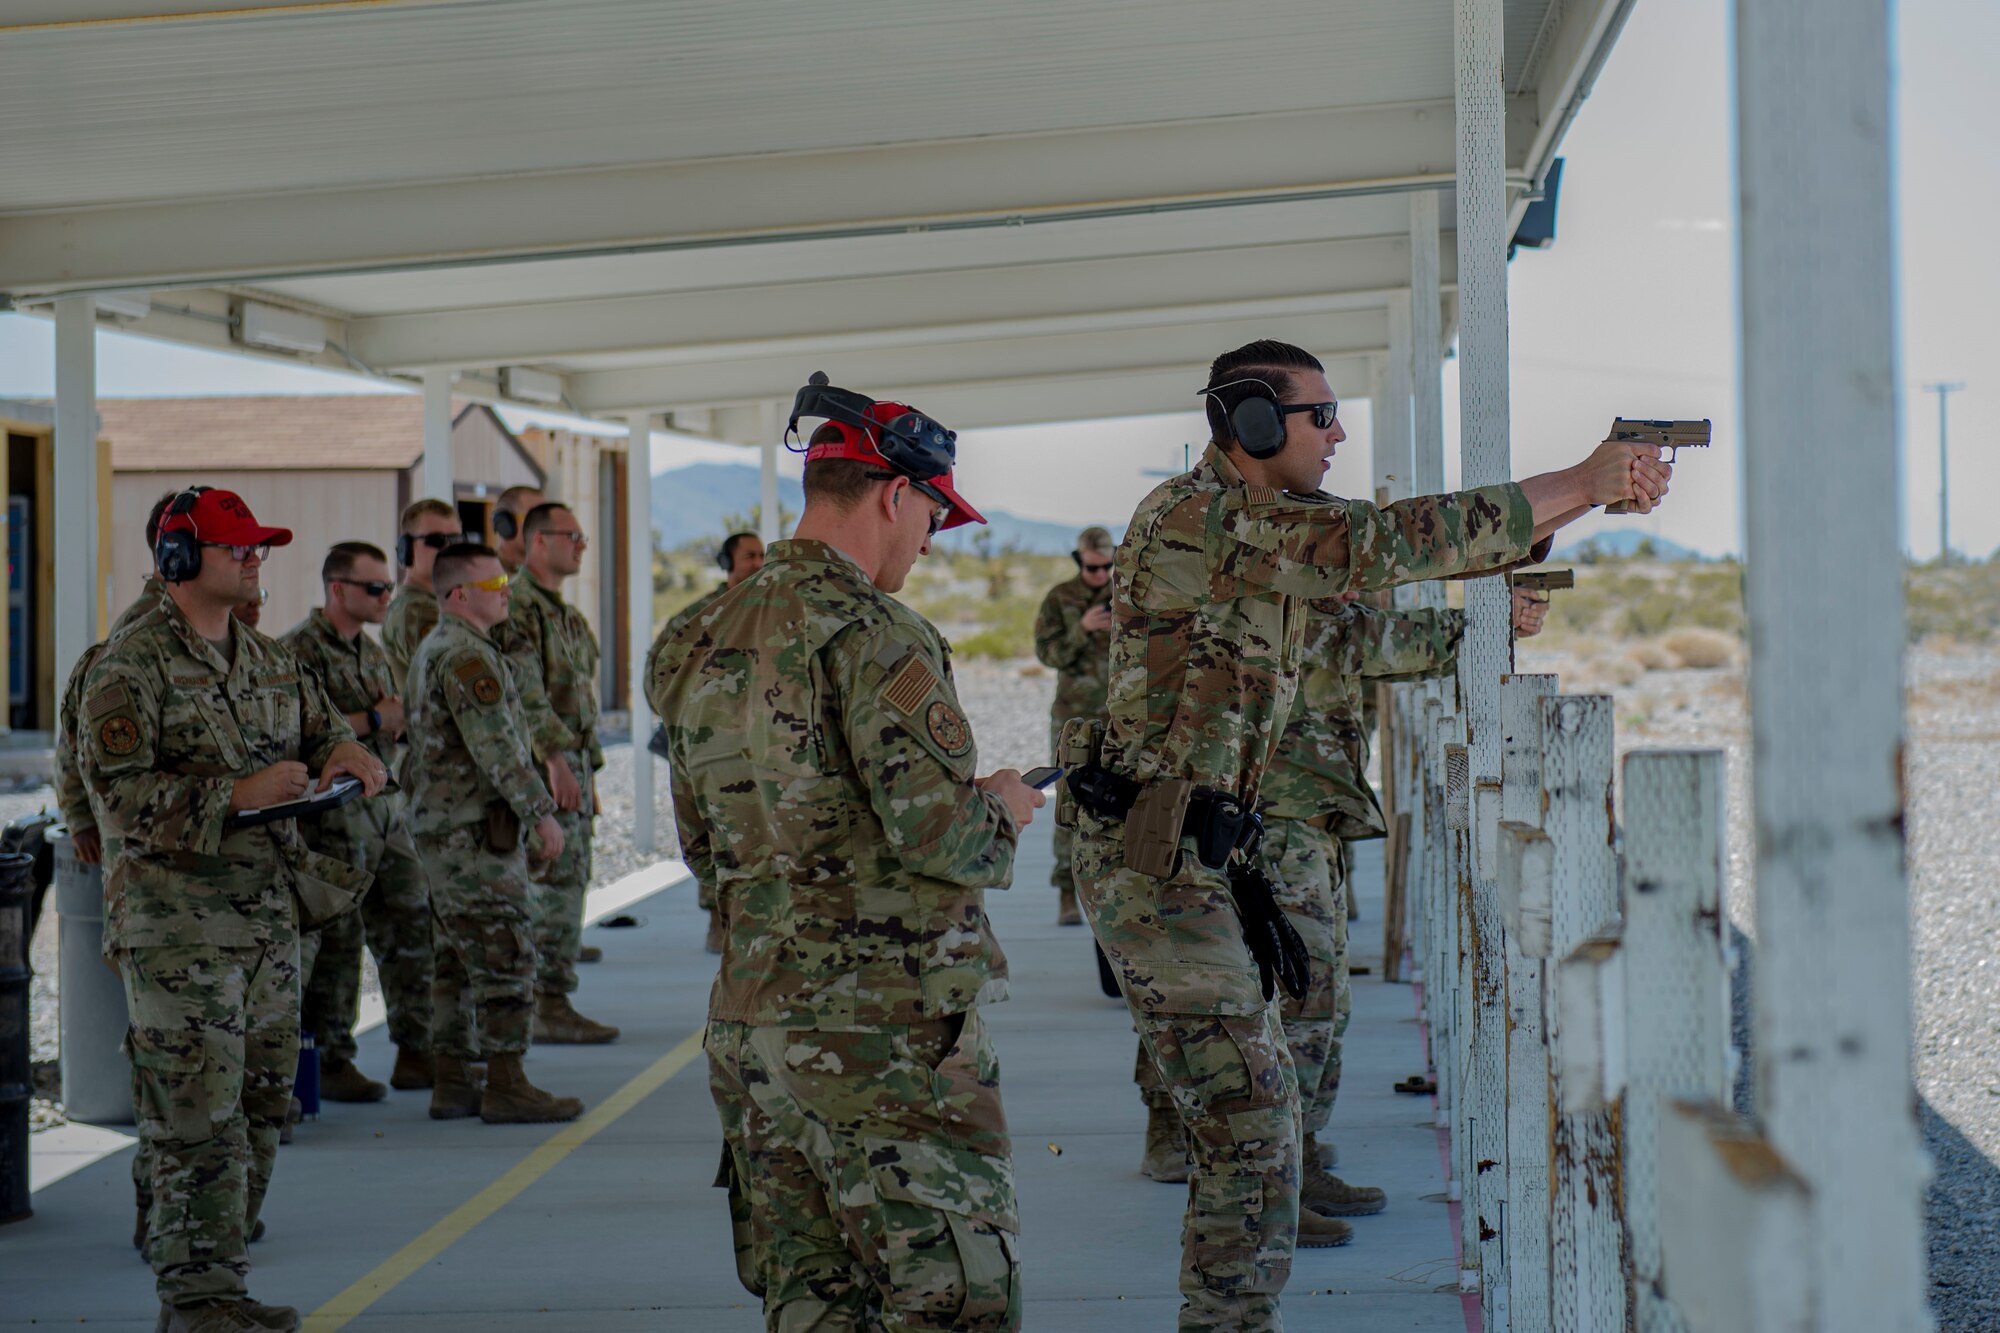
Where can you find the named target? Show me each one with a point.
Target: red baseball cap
(221, 517)
(864, 447)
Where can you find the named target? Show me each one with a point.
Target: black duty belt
(1216, 820)
(1220, 826)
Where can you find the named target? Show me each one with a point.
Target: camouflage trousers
(483, 979)
(559, 888)
(214, 1036)
(1062, 875)
(1177, 948)
(871, 1180)
(394, 919)
(1304, 865)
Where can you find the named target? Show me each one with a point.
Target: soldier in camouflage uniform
(1204, 662)
(553, 653)
(740, 556)
(428, 526)
(188, 716)
(395, 917)
(866, 1150)
(1073, 639)
(475, 791)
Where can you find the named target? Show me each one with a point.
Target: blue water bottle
(305, 1085)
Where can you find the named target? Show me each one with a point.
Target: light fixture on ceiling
(124, 305)
(530, 386)
(274, 327)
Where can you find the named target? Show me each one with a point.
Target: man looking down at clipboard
(189, 716)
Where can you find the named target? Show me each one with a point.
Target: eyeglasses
(498, 583)
(239, 554)
(572, 534)
(1097, 569)
(940, 511)
(1324, 414)
(373, 587)
(437, 541)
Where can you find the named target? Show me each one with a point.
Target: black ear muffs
(1077, 558)
(1258, 426)
(406, 550)
(725, 560)
(177, 554)
(505, 525)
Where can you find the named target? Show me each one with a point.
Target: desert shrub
(1700, 649)
(1652, 655)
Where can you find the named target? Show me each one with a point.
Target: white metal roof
(685, 206)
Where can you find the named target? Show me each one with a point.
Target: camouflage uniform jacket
(1211, 583)
(554, 656)
(468, 736)
(167, 727)
(822, 773)
(71, 797)
(1081, 659)
(675, 625)
(1319, 771)
(355, 676)
(412, 615)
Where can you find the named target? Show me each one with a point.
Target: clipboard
(340, 793)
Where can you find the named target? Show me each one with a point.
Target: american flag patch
(911, 685)
(110, 701)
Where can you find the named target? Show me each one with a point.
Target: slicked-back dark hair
(733, 540)
(448, 571)
(1266, 363)
(340, 558)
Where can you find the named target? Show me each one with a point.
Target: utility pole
(1944, 392)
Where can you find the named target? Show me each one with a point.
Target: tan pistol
(1544, 581)
(1671, 436)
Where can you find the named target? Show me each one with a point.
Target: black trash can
(17, 890)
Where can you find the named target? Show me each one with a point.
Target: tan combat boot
(1318, 1233)
(557, 1024)
(455, 1092)
(245, 1316)
(1166, 1158)
(1325, 1155)
(340, 1081)
(511, 1100)
(413, 1070)
(1330, 1196)
(1067, 912)
(716, 933)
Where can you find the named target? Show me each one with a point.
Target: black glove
(1275, 944)
(658, 743)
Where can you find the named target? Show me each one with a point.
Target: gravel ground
(1954, 732)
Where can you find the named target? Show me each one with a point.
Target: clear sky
(1630, 313)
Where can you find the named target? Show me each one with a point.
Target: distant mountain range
(694, 503)
(1624, 542)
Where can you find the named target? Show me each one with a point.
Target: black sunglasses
(373, 587)
(1324, 414)
(1096, 569)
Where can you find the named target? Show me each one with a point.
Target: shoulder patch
(119, 736)
(911, 685)
(947, 728)
(486, 690)
(470, 669)
(110, 701)
(1260, 495)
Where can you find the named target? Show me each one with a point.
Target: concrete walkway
(381, 1219)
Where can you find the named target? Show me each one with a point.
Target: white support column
(1587, 1246)
(439, 479)
(1816, 194)
(1394, 459)
(75, 538)
(1487, 651)
(1677, 987)
(1426, 345)
(770, 527)
(639, 617)
(1524, 1290)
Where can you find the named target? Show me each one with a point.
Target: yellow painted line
(336, 1313)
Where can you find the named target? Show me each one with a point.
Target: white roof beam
(946, 184)
(23, 15)
(889, 311)
(1189, 346)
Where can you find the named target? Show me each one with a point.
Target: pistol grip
(1620, 507)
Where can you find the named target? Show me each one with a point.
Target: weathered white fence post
(1524, 1227)
(1677, 985)
(1816, 261)
(1587, 1271)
